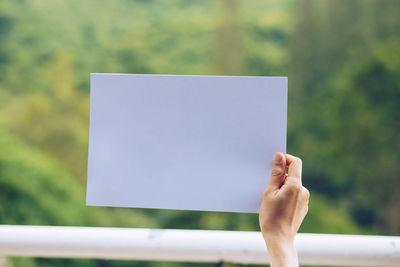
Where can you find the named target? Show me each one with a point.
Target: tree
(367, 113)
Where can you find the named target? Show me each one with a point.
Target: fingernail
(278, 157)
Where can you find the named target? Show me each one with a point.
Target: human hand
(283, 208)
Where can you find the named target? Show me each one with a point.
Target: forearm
(282, 254)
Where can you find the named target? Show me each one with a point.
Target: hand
(283, 208)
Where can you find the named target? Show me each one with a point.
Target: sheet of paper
(184, 142)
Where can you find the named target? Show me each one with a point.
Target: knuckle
(306, 193)
(266, 193)
(298, 160)
(294, 188)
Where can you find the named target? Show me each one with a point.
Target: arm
(283, 208)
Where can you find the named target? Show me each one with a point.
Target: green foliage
(370, 97)
(35, 189)
(346, 90)
(343, 64)
(325, 217)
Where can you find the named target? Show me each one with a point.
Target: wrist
(282, 252)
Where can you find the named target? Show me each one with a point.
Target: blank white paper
(184, 142)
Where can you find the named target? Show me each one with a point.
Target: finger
(294, 167)
(306, 198)
(306, 194)
(278, 171)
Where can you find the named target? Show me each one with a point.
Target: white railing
(191, 245)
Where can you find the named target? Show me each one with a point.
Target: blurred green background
(343, 63)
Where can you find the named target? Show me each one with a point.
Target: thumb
(278, 171)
